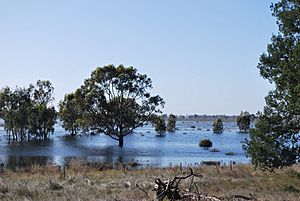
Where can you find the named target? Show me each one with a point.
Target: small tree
(171, 127)
(116, 101)
(160, 125)
(218, 126)
(70, 113)
(244, 121)
(43, 115)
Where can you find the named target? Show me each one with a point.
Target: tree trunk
(45, 136)
(9, 137)
(72, 132)
(121, 141)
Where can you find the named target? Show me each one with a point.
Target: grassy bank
(82, 182)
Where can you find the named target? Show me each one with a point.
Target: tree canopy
(71, 113)
(171, 126)
(218, 126)
(244, 121)
(28, 112)
(115, 100)
(274, 143)
(159, 124)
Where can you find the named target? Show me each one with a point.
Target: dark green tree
(116, 101)
(218, 126)
(244, 121)
(14, 110)
(71, 112)
(274, 143)
(171, 126)
(27, 111)
(42, 115)
(160, 125)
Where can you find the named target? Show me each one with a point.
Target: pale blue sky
(201, 54)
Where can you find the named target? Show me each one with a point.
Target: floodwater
(143, 146)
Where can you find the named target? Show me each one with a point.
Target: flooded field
(143, 146)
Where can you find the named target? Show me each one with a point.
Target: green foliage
(274, 143)
(218, 126)
(71, 112)
(171, 126)
(244, 121)
(42, 115)
(27, 111)
(205, 143)
(159, 125)
(115, 100)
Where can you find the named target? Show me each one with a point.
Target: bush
(205, 143)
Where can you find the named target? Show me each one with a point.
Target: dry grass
(83, 182)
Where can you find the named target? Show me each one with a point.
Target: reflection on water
(143, 147)
(13, 162)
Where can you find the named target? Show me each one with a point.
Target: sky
(201, 55)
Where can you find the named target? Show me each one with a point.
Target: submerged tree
(218, 126)
(160, 125)
(15, 109)
(27, 111)
(275, 141)
(70, 112)
(171, 126)
(244, 121)
(116, 101)
(43, 115)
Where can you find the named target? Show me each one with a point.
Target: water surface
(142, 146)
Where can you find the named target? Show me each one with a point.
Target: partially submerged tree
(43, 115)
(27, 111)
(159, 125)
(15, 109)
(171, 126)
(275, 141)
(218, 126)
(70, 113)
(116, 100)
(244, 121)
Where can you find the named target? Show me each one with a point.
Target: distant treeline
(196, 117)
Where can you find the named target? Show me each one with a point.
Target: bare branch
(141, 189)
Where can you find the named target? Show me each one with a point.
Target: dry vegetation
(83, 182)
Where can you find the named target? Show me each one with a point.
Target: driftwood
(170, 189)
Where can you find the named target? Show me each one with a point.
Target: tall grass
(84, 181)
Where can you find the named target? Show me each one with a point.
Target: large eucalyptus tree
(116, 100)
(275, 142)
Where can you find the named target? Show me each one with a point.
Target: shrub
(205, 143)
